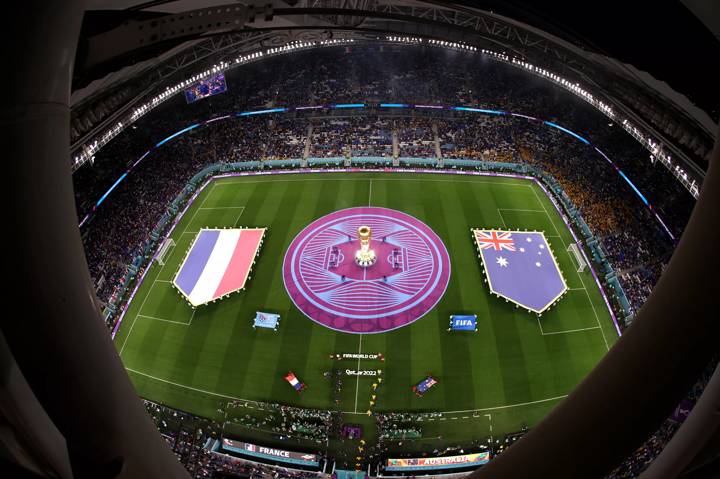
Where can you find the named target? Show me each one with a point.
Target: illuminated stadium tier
(327, 276)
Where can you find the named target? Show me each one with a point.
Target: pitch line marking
(209, 193)
(147, 295)
(239, 215)
(571, 331)
(357, 380)
(370, 193)
(520, 209)
(186, 387)
(592, 305)
(507, 405)
(344, 412)
(502, 218)
(220, 207)
(163, 319)
(228, 181)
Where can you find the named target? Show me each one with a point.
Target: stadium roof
(129, 53)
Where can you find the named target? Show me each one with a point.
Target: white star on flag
(542, 246)
(537, 264)
(529, 240)
(522, 250)
(503, 262)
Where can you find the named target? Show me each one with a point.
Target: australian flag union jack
(497, 240)
(520, 267)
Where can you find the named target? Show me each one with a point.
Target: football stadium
(367, 239)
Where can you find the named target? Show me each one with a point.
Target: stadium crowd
(632, 239)
(291, 422)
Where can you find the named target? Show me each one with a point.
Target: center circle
(407, 279)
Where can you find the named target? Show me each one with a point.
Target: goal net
(163, 251)
(579, 259)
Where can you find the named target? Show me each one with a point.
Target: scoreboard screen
(205, 88)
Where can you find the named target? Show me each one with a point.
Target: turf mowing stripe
(489, 373)
(234, 335)
(453, 350)
(295, 335)
(251, 360)
(399, 371)
(514, 374)
(398, 376)
(549, 370)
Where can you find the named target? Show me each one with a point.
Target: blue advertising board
(463, 322)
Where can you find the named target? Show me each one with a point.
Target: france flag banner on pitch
(294, 381)
(460, 322)
(218, 263)
(520, 267)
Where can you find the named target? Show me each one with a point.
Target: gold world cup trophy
(365, 256)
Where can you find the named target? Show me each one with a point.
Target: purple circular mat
(407, 280)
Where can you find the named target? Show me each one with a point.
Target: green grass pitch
(510, 373)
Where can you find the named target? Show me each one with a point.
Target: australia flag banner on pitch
(520, 267)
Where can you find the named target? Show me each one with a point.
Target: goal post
(164, 250)
(579, 259)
